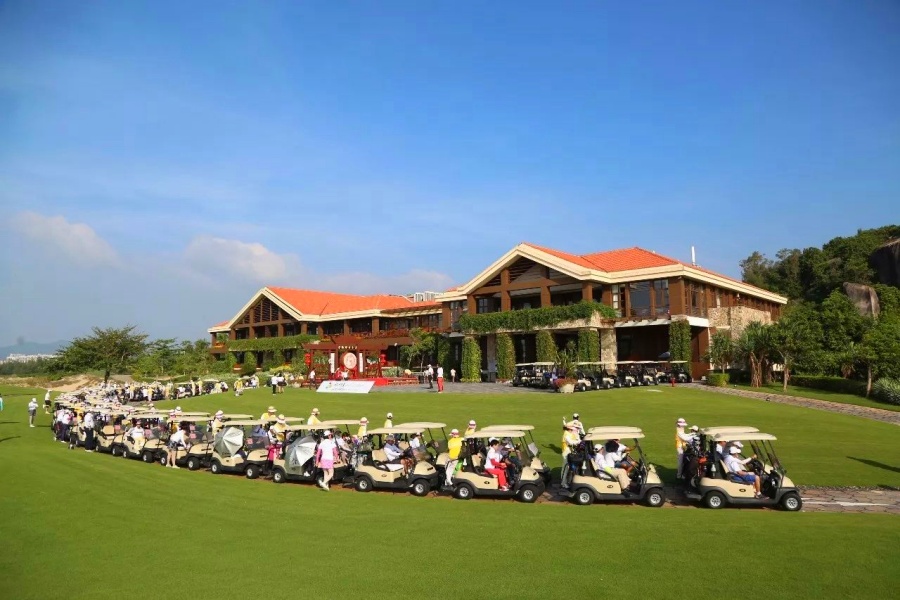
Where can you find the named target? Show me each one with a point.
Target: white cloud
(77, 242)
(416, 280)
(245, 261)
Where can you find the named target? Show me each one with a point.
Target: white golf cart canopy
(496, 433)
(745, 437)
(508, 428)
(606, 428)
(424, 424)
(615, 434)
(733, 429)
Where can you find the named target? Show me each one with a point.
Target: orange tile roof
(572, 258)
(311, 302)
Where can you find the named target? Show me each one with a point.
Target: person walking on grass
(326, 455)
(440, 379)
(453, 375)
(32, 411)
(88, 426)
(1, 402)
(47, 403)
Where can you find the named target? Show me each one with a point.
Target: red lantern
(382, 359)
(307, 358)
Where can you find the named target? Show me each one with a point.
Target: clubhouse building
(647, 292)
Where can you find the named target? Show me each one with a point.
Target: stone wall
(736, 318)
(609, 352)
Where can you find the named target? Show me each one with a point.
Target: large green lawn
(804, 392)
(79, 525)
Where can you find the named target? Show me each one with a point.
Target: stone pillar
(609, 352)
(491, 352)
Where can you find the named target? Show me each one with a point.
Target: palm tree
(753, 346)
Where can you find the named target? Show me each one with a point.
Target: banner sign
(345, 387)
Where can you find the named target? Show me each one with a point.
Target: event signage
(345, 387)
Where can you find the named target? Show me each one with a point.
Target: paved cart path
(840, 500)
(866, 412)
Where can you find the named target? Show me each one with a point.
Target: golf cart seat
(108, 430)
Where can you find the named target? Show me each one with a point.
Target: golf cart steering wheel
(756, 466)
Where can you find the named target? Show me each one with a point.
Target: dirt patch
(66, 384)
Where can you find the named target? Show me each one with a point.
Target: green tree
(506, 357)
(422, 348)
(471, 361)
(879, 350)
(721, 349)
(545, 346)
(109, 350)
(753, 347)
(797, 335)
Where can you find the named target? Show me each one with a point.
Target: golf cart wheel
(278, 476)
(193, 463)
(114, 451)
(363, 484)
(420, 488)
(528, 494)
(791, 502)
(655, 497)
(606, 386)
(583, 497)
(463, 492)
(714, 500)
(215, 468)
(253, 471)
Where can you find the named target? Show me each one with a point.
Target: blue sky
(160, 161)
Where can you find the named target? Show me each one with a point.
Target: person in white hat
(269, 415)
(570, 441)
(471, 428)
(576, 420)
(217, 422)
(736, 470)
(682, 439)
(363, 428)
(454, 447)
(326, 456)
(389, 421)
(32, 411)
(313, 417)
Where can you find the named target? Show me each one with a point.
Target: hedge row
(529, 319)
(270, 343)
(887, 390)
(830, 384)
(717, 379)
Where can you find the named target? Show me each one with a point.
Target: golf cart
(153, 427)
(541, 375)
(524, 375)
(590, 484)
(604, 380)
(472, 480)
(646, 370)
(240, 447)
(696, 453)
(438, 446)
(679, 371)
(532, 455)
(106, 432)
(585, 378)
(716, 488)
(375, 472)
(297, 461)
(625, 373)
(199, 444)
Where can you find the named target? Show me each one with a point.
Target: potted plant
(565, 365)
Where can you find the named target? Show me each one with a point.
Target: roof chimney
(693, 257)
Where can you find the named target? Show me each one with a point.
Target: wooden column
(376, 325)
(545, 296)
(346, 327)
(505, 303)
(587, 291)
(470, 302)
(676, 296)
(304, 328)
(606, 298)
(446, 318)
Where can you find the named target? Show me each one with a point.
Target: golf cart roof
(734, 429)
(194, 413)
(745, 437)
(235, 417)
(398, 429)
(299, 427)
(333, 422)
(496, 433)
(647, 362)
(615, 434)
(194, 419)
(243, 423)
(625, 362)
(524, 364)
(297, 420)
(606, 428)
(677, 362)
(543, 364)
(588, 363)
(425, 424)
(508, 428)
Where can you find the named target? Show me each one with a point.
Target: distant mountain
(31, 348)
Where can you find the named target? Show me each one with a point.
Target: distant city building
(21, 358)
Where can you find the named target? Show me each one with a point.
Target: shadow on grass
(875, 463)
(10, 422)
(9, 438)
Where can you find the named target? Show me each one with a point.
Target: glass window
(616, 299)
(639, 298)
(661, 297)
(485, 305)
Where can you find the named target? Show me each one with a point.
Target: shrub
(588, 345)
(830, 384)
(717, 379)
(546, 347)
(529, 319)
(506, 357)
(887, 390)
(471, 361)
(680, 340)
